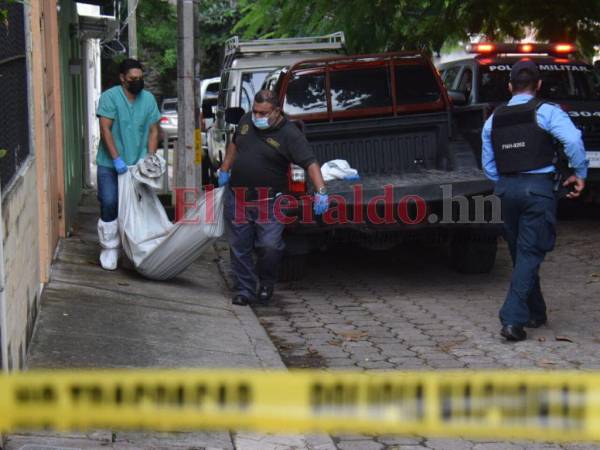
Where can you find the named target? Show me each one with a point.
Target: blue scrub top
(131, 124)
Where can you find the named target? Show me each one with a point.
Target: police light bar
(525, 48)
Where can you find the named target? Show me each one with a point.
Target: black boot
(536, 323)
(513, 333)
(264, 294)
(240, 300)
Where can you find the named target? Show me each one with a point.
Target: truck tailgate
(427, 184)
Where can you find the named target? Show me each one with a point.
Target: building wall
(21, 262)
(72, 109)
(20, 277)
(30, 221)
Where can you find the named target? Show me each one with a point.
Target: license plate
(594, 159)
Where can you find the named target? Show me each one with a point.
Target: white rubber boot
(110, 242)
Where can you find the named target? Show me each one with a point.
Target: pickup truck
(245, 66)
(389, 116)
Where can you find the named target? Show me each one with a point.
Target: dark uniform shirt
(263, 156)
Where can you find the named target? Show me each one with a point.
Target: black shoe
(240, 300)
(513, 333)
(536, 323)
(264, 293)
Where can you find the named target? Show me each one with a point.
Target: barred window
(14, 117)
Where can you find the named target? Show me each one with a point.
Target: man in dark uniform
(264, 145)
(519, 153)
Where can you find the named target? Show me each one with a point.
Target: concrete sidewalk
(93, 318)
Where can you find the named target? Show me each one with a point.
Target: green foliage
(157, 40)
(4, 4)
(387, 25)
(157, 44)
(217, 18)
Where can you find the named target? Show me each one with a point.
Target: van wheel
(473, 252)
(292, 267)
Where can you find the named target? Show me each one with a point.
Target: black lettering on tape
(118, 394)
(400, 397)
(244, 396)
(35, 394)
(331, 398)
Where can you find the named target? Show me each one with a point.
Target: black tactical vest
(519, 143)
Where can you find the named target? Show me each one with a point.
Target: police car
(478, 83)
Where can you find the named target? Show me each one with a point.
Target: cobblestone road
(404, 309)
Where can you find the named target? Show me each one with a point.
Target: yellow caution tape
(547, 406)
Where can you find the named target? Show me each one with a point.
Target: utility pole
(132, 27)
(185, 169)
(198, 161)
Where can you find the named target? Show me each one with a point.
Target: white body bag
(158, 248)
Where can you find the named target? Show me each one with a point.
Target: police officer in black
(520, 146)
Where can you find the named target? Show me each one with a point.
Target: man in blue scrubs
(129, 129)
(519, 154)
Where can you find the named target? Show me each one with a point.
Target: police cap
(522, 65)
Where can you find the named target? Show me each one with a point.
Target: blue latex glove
(352, 177)
(120, 165)
(320, 204)
(223, 178)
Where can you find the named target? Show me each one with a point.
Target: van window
(212, 89)
(223, 89)
(251, 83)
(415, 83)
(362, 88)
(306, 94)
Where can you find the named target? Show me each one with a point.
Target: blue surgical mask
(262, 123)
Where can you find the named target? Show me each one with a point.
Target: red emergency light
(527, 48)
(483, 48)
(564, 48)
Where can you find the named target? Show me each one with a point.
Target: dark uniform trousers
(529, 214)
(251, 236)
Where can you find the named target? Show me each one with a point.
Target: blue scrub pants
(529, 214)
(108, 193)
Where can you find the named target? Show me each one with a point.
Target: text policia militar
(360, 206)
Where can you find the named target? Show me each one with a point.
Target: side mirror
(207, 111)
(233, 115)
(458, 98)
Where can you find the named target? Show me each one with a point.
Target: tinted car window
(450, 75)
(364, 88)
(415, 83)
(306, 94)
(169, 107)
(557, 83)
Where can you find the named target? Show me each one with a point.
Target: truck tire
(292, 267)
(473, 252)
